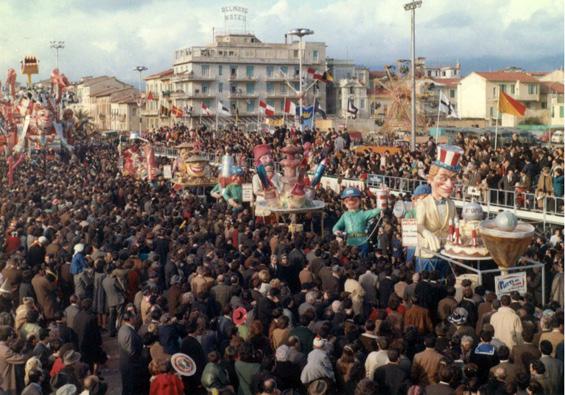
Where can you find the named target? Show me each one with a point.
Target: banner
(409, 232)
(247, 192)
(508, 283)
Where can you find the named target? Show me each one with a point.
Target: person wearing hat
(232, 193)
(70, 372)
(434, 212)
(353, 223)
(319, 368)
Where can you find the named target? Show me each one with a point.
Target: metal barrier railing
(517, 199)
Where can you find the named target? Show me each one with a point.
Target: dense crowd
(90, 254)
(516, 167)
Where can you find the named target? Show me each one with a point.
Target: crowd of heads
(257, 308)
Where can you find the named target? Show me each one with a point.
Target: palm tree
(85, 122)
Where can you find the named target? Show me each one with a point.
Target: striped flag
(289, 107)
(267, 109)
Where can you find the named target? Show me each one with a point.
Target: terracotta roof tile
(509, 76)
(161, 74)
(551, 87)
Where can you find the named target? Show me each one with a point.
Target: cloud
(113, 36)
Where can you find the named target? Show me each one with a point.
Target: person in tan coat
(427, 363)
(8, 362)
(45, 287)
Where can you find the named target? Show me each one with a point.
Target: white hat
(79, 248)
(67, 389)
(42, 239)
(319, 342)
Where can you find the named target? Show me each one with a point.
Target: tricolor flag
(267, 109)
(314, 74)
(289, 107)
(205, 109)
(446, 107)
(352, 109)
(508, 105)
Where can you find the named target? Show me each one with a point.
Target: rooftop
(161, 74)
(551, 87)
(509, 76)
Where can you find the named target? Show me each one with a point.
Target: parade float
(289, 193)
(192, 169)
(33, 119)
(138, 159)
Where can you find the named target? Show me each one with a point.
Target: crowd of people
(517, 167)
(89, 254)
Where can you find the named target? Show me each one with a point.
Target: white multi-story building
(158, 100)
(239, 70)
(351, 82)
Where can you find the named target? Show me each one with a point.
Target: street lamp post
(140, 69)
(300, 32)
(412, 7)
(57, 45)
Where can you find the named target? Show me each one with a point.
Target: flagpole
(284, 111)
(217, 112)
(496, 123)
(437, 123)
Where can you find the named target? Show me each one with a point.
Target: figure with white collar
(353, 223)
(233, 193)
(267, 184)
(434, 212)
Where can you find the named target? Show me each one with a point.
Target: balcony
(242, 95)
(235, 77)
(191, 77)
(280, 95)
(192, 95)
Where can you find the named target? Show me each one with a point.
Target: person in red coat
(167, 383)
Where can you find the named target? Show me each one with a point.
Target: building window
(543, 105)
(205, 88)
(283, 88)
(220, 70)
(269, 71)
(205, 70)
(220, 87)
(502, 88)
(443, 73)
(512, 88)
(452, 93)
(494, 91)
(351, 90)
(296, 71)
(531, 89)
(560, 111)
(362, 103)
(315, 56)
(270, 87)
(250, 105)
(250, 88)
(249, 71)
(295, 53)
(491, 112)
(233, 88)
(284, 70)
(233, 71)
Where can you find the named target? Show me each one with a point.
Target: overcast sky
(113, 36)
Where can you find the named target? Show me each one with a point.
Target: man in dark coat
(192, 347)
(89, 337)
(265, 307)
(391, 378)
(115, 298)
(133, 367)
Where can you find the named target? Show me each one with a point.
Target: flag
(327, 77)
(320, 110)
(176, 112)
(314, 74)
(307, 116)
(446, 107)
(150, 96)
(267, 109)
(352, 109)
(223, 110)
(508, 105)
(205, 109)
(289, 106)
(187, 110)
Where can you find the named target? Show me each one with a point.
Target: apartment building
(88, 88)
(239, 70)
(350, 82)
(158, 101)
